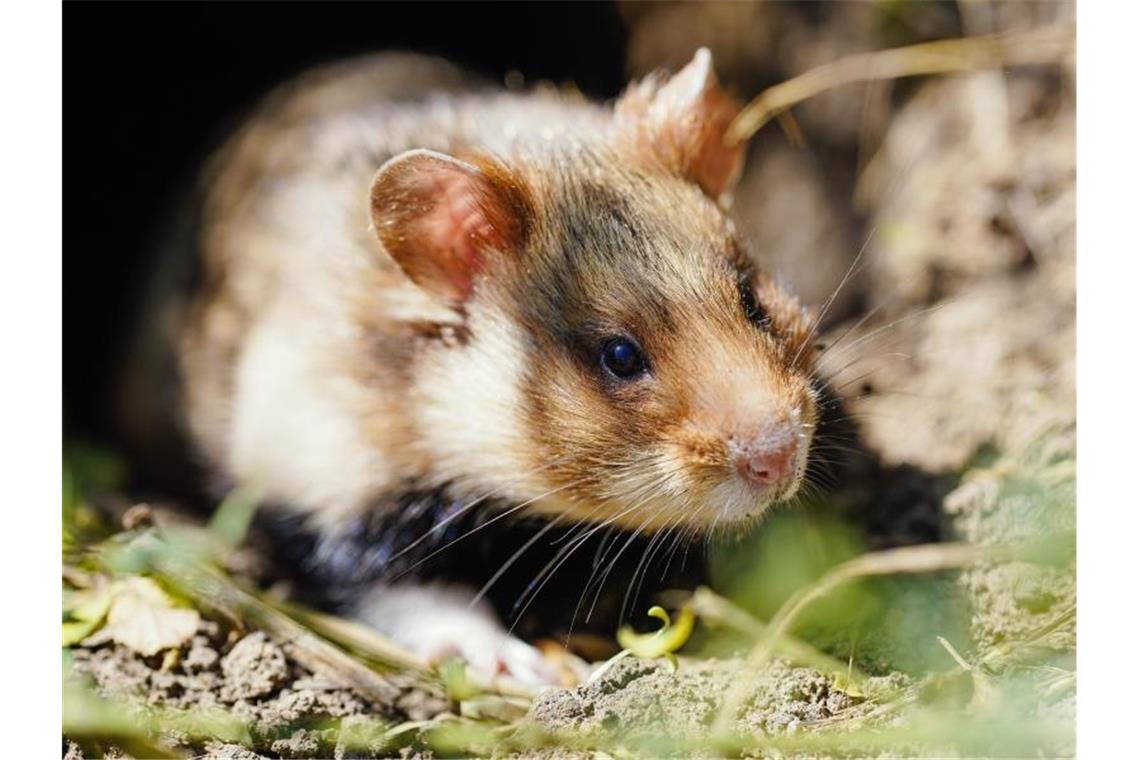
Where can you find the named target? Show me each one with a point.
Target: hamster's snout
(769, 458)
(769, 467)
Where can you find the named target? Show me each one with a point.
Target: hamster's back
(276, 226)
(149, 387)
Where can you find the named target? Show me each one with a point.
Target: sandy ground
(290, 712)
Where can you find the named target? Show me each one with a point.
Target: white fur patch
(294, 429)
(438, 621)
(469, 412)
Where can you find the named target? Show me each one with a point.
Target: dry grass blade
(927, 558)
(308, 633)
(1008, 651)
(208, 589)
(369, 643)
(1048, 45)
(355, 636)
(211, 590)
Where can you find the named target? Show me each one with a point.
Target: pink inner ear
(457, 228)
(437, 216)
(681, 123)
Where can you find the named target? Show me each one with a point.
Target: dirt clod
(643, 699)
(255, 667)
(222, 751)
(286, 710)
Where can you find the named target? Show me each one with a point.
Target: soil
(289, 710)
(641, 699)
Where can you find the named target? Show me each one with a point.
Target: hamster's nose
(770, 466)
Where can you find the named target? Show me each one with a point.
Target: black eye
(623, 359)
(752, 309)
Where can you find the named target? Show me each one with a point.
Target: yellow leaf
(666, 640)
(143, 618)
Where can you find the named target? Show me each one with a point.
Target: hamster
(418, 305)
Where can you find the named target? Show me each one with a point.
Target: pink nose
(768, 467)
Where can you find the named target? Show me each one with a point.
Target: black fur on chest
(543, 577)
(549, 578)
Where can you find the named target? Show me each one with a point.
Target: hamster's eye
(752, 309)
(623, 359)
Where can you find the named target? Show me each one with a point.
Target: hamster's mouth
(664, 493)
(739, 502)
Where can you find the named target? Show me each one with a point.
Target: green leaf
(456, 680)
(231, 519)
(83, 612)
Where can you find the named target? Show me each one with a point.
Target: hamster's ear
(680, 123)
(439, 218)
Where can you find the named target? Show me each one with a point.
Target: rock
(255, 667)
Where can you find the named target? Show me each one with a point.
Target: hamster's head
(625, 360)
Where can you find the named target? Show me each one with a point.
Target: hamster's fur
(526, 303)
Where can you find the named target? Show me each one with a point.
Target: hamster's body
(293, 276)
(414, 293)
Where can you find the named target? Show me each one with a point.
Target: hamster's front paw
(438, 621)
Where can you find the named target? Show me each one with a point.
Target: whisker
(468, 507)
(510, 561)
(552, 567)
(655, 545)
(674, 547)
(894, 356)
(834, 294)
(610, 567)
(894, 323)
(483, 525)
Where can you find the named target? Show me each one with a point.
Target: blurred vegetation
(879, 623)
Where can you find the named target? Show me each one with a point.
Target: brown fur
(315, 365)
